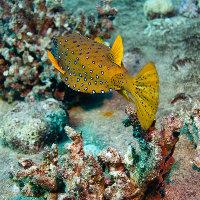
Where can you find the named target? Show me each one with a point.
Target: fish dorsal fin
(54, 62)
(117, 51)
(98, 39)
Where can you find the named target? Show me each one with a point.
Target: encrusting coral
(80, 176)
(27, 29)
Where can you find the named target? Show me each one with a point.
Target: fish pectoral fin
(99, 40)
(117, 51)
(125, 95)
(55, 62)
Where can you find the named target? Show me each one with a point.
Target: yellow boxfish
(88, 65)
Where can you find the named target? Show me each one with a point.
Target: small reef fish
(89, 66)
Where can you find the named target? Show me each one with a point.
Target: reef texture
(26, 32)
(28, 127)
(80, 176)
(192, 128)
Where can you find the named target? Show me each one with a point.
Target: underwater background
(37, 109)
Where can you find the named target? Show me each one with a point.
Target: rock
(28, 127)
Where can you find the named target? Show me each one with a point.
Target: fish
(89, 66)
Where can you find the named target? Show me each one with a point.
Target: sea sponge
(157, 8)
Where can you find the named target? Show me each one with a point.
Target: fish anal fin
(124, 94)
(55, 62)
(117, 51)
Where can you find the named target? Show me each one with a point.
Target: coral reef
(27, 29)
(36, 179)
(136, 175)
(157, 8)
(82, 174)
(28, 127)
(189, 9)
(150, 167)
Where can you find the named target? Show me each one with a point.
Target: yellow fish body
(89, 66)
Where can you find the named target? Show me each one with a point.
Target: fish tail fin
(145, 91)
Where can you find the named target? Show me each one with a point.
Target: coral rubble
(28, 127)
(27, 30)
(136, 175)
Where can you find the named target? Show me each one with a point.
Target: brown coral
(27, 30)
(40, 177)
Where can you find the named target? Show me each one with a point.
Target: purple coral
(189, 9)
